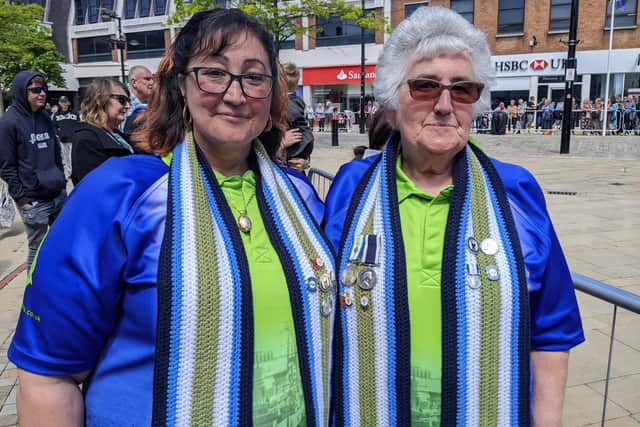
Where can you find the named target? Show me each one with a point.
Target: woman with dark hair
(96, 137)
(196, 288)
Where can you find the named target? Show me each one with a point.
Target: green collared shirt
(423, 218)
(276, 374)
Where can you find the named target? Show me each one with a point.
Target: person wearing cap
(65, 119)
(30, 160)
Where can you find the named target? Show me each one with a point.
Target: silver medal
(326, 307)
(367, 279)
(349, 275)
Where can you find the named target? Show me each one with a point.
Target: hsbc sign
(528, 66)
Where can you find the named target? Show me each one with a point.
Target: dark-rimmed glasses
(428, 89)
(122, 99)
(37, 90)
(217, 81)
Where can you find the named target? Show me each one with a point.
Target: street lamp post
(362, 75)
(119, 42)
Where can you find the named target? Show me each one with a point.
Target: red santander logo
(539, 64)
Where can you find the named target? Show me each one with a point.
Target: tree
(283, 19)
(25, 44)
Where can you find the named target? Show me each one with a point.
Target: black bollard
(334, 132)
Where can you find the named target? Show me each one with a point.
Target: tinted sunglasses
(428, 89)
(122, 99)
(37, 90)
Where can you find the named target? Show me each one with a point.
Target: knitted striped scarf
(204, 347)
(485, 311)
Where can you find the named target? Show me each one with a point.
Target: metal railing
(617, 297)
(535, 121)
(321, 181)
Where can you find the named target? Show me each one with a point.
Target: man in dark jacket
(65, 120)
(30, 160)
(298, 140)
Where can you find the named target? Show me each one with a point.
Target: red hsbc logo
(539, 64)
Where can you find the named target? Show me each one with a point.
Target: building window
(94, 49)
(412, 7)
(336, 31)
(289, 43)
(42, 3)
(144, 8)
(88, 11)
(624, 17)
(511, 17)
(146, 44)
(464, 8)
(560, 15)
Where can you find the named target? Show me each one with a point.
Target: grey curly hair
(427, 33)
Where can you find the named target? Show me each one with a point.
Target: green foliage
(280, 18)
(25, 44)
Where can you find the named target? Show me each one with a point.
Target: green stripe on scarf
(489, 303)
(208, 304)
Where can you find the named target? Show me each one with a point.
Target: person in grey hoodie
(30, 160)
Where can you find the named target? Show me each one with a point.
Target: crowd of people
(622, 116)
(194, 276)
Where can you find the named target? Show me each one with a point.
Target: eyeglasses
(216, 81)
(428, 89)
(37, 90)
(122, 99)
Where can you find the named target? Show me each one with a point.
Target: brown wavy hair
(207, 33)
(94, 103)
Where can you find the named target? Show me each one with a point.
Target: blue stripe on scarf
(515, 367)
(519, 365)
(217, 218)
(390, 278)
(176, 253)
(462, 302)
(270, 199)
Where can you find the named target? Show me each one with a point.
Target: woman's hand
(298, 164)
(291, 137)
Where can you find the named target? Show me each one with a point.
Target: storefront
(543, 75)
(338, 84)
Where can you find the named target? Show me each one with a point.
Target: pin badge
(473, 269)
(364, 302)
(473, 282)
(493, 273)
(367, 279)
(325, 282)
(346, 299)
(326, 307)
(489, 246)
(349, 275)
(473, 245)
(312, 284)
(317, 263)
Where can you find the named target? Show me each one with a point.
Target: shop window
(336, 31)
(464, 8)
(412, 7)
(511, 17)
(146, 44)
(94, 49)
(623, 17)
(144, 8)
(88, 11)
(560, 15)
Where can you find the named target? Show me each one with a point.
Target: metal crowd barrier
(617, 297)
(532, 121)
(321, 181)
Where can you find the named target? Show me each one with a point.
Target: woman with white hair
(452, 280)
